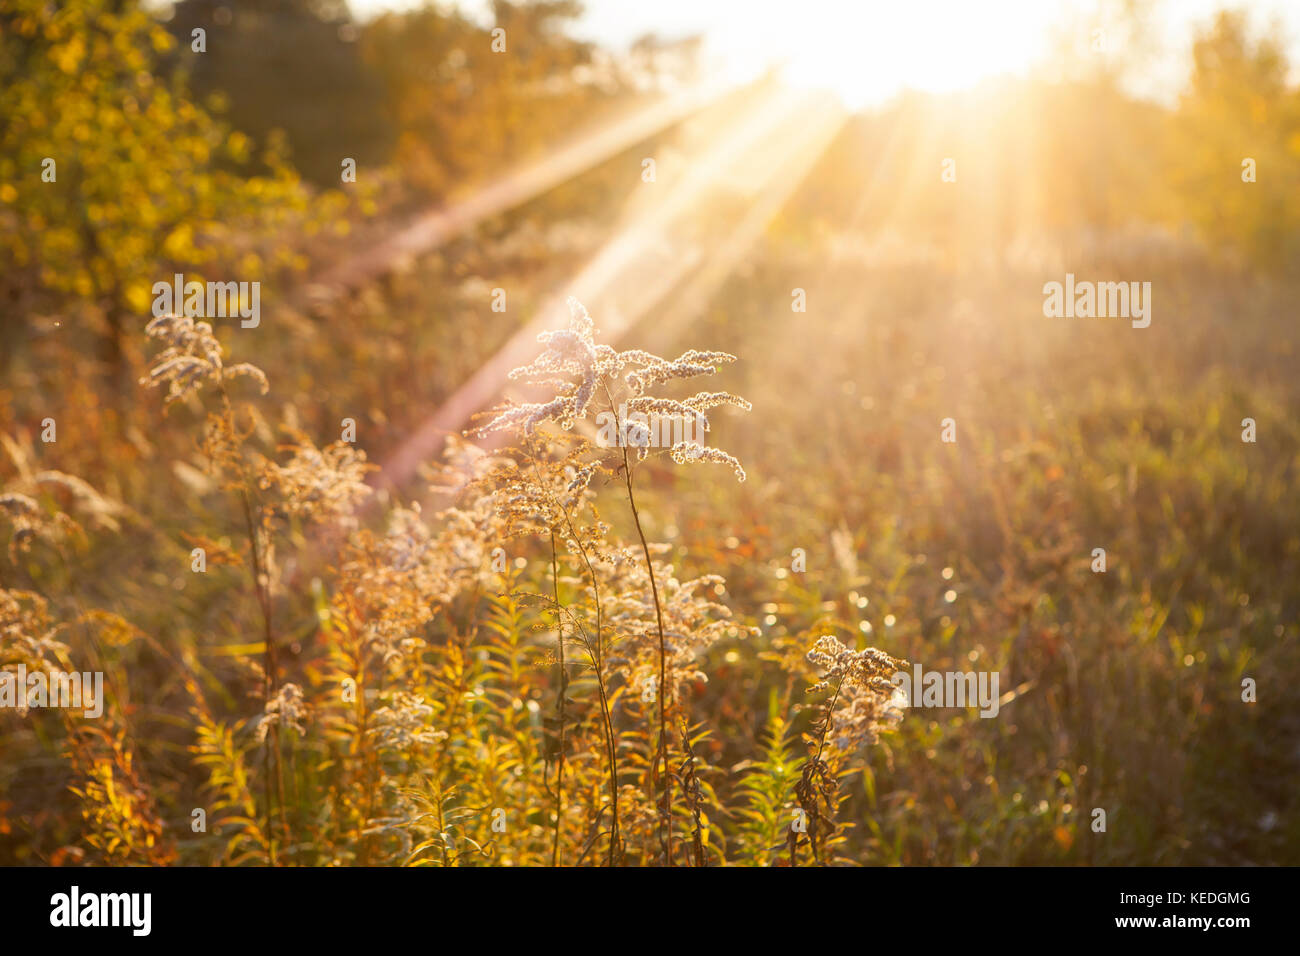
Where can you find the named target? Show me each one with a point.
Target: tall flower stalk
(578, 368)
(862, 682)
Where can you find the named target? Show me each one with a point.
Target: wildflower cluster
(574, 353)
(864, 690)
(192, 358)
(415, 676)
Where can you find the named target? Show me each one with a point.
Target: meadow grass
(430, 704)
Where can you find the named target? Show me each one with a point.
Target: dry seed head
(286, 709)
(404, 723)
(191, 359)
(27, 634)
(692, 623)
(657, 370)
(865, 702)
(871, 668)
(318, 484)
(686, 452)
(572, 352)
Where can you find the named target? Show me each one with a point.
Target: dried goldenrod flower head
(861, 716)
(692, 623)
(27, 518)
(404, 723)
(864, 703)
(569, 352)
(656, 370)
(318, 484)
(192, 358)
(580, 369)
(286, 709)
(27, 636)
(580, 479)
(31, 521)
(871, 667)
(687, 452)
(393, 584)
(645, 416)
(541, 493)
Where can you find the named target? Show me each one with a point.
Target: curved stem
(666, 805)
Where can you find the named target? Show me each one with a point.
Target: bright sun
(863, 50)
(866, 52)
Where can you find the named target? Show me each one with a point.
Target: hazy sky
(868, 50)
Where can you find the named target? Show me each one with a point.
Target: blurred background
(917, 171)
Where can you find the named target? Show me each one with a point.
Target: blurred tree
(462, 109)
(1238, 106)
(112, 179)
(289, 65)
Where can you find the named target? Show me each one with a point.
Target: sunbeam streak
(631, 276)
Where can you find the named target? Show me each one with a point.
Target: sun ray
(562, 164)
(631, 274)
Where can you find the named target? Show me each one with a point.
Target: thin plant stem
(597, 656)
(598, 664)
(272, 772)
(559, 776)
(666, 801)
(816, 762)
